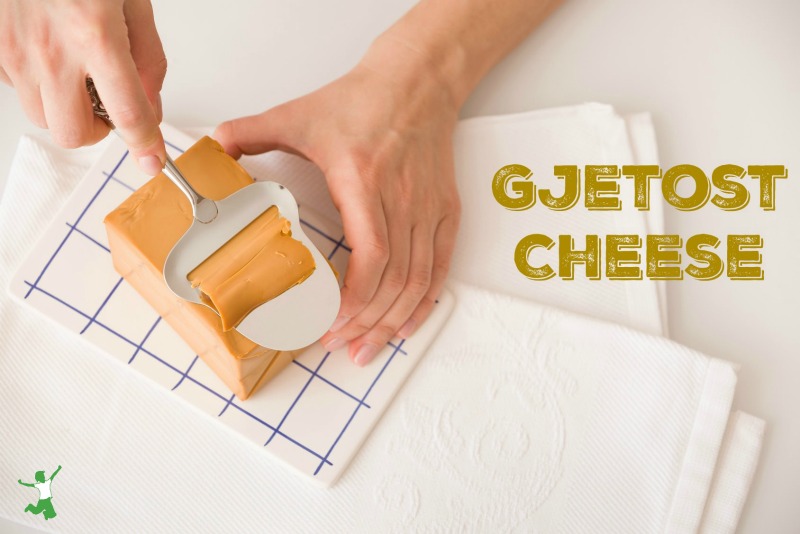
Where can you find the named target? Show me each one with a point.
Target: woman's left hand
(384, 142)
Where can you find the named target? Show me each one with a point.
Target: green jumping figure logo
(45, 504)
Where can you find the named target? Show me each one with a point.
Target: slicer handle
(203, 209)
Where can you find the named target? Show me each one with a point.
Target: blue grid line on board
(326, 236)
(144, 340)
(173, 146)
(77, 221)
(336, 386)
(303, 390)
(339, 244)
(120, 182)
(305, 448)
(397, 349)
(103, 304)
(139, 347)
(90, 238)
(186, 372)
(228, 403)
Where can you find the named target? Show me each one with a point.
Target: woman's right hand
(48, 48)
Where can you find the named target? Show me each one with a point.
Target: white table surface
(721, 80)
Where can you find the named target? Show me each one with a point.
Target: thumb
(256, 134)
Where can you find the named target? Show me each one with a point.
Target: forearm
(454, 43)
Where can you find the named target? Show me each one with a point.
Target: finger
(256, 134)
(392, 282)
(4, 77)
(68, 112)
(444, 245)
(118, 84)
(146, 50)
(364, 348)
(100, 130)
(30, 98)
(364, 224)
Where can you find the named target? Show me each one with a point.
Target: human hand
(47, 49)
(384, 142)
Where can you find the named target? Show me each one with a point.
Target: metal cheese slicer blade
(294, 319)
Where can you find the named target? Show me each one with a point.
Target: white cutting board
(314, 416)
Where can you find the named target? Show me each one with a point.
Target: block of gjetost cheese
(144, 228)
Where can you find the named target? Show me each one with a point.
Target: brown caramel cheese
(255, 266)
(141, 232)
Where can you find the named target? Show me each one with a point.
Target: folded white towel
(579, 135)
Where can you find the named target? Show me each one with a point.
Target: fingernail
(339, 323)
(407, 329)
(150, 165)
(335, 344)
(365, 354)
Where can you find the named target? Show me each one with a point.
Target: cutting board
(313, 417)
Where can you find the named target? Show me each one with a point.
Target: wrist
(413, 70)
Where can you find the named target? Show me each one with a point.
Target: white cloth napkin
(579, 135)
(521, 417)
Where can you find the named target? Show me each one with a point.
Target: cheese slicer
(294, 319)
